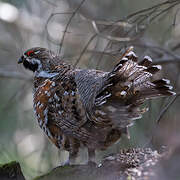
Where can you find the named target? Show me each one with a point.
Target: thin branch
(84, 49)
(163, 11)
(47, 22)
(112, 23)
(164, 110)
(102, 54)
(160, 50)
(151, 8)
(111, 38)
(167, 60)
(16, 94)
(14, 75)
(68, 23)
(90, 40)
(49, 2)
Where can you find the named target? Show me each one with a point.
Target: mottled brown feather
(90, 108)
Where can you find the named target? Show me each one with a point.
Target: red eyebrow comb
(30, 52)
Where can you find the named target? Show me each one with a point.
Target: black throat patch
(31, 66)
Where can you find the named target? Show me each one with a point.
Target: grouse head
(39, 59)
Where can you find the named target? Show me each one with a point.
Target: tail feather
(147, 61)
(137, 76)
(131, 55)
(161, 82)
(153, 69)
(163, 85)
(127, 87)
(156, 88)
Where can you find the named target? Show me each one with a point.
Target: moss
(11, 170)
(127, 164)
(10, 164)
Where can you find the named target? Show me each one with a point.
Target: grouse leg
(74, 149)
(91, 157)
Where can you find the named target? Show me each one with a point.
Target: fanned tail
(135, 78)
(128, 86)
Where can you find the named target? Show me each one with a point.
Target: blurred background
(88, 34)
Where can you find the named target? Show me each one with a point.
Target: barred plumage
(76, 107)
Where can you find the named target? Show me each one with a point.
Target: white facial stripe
(36, 52)
(45, 74)
(24, 55)
(37, 61)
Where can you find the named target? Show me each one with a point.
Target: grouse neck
(46, 74)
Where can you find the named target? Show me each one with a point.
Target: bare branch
(84, 49)
(14, 75)
(151, 8)
(47, 22)
(68, 23)
(49, 2)
(164, 110)
(111, 38)
(166, 61)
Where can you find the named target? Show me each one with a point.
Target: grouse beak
(20, 60)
